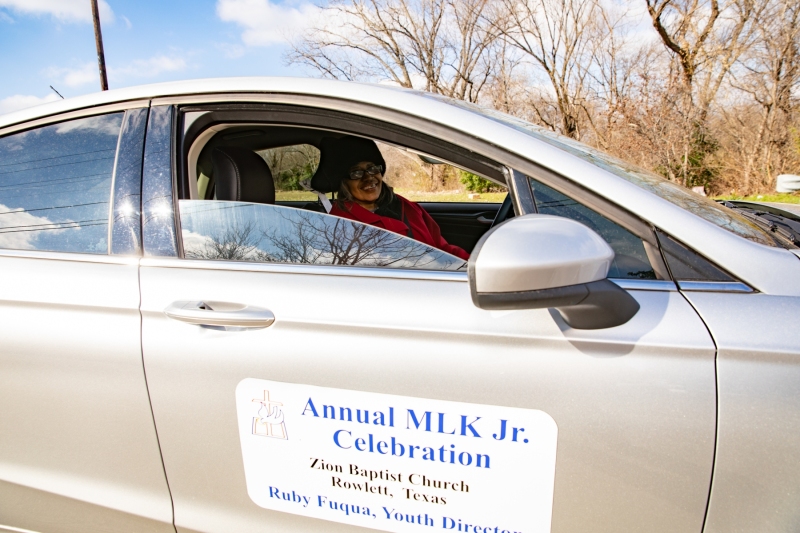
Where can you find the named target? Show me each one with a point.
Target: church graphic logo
(269, 421)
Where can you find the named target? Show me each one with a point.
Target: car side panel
(757, 469)
(635, 405)
(78, 449)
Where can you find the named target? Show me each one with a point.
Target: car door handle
(483, 220)
(220, 314)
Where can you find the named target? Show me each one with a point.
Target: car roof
(366, 92)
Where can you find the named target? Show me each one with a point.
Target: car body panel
(84, 452)
(757, 469)
(635, 406)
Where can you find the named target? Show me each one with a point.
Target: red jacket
(423, 227)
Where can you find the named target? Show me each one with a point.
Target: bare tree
(236, 243)
(558, 37)
(711, 101)
(267, 234)
(768, 74)
(441, 46)
(706, 38)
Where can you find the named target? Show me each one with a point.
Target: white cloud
(21, 101)
(15, 222)
(75, 77)
(108, 124)
(195, 242)
(267, 23)
(141, 68)
(5, 18)
(147, 68)
(127, 22)
(63, 10)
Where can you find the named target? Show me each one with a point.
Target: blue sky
(51, 42)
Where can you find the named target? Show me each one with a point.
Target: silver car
(617, 354)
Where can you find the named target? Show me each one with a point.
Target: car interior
(231, 159)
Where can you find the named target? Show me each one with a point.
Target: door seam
(150, 401)
(716, 411)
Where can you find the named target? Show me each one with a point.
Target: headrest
(338, 156)
(241, 175)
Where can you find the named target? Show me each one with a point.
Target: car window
(421, 178)
(242, 231)
(630, 257)
(55, 185)
(687, 265)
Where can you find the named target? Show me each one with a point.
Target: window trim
(312, 270)
(76, 257)
(81, 113)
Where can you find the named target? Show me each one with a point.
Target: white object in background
(699, 190)
(788, 183)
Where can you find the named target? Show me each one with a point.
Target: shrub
(475, 183)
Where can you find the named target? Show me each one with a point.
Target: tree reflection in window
(237, 231)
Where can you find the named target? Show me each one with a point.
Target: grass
(784, 198)
(414, 196)
(295, 196)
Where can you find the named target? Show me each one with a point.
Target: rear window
(55, 185)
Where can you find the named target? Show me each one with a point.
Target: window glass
(687, 265)
(291, 166)
(240, 231)
(672, 192)
(55, 185)
(630, 258)
(420, 178)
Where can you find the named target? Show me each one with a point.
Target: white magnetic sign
(396, 463)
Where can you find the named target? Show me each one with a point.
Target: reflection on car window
(630, 258)
(699, 205)
(240, 231)
(55, 185)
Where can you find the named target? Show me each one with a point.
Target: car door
(259, 425)
(78, 449)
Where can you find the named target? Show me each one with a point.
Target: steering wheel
(504, 213)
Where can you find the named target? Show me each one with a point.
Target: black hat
(338, 156)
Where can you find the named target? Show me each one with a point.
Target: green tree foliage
(475, 183)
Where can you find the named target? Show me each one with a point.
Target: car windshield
(699, 205)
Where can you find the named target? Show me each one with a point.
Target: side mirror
(543, 261)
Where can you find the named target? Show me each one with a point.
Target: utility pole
(98, 39)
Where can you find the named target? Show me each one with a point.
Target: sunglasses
(371, 171)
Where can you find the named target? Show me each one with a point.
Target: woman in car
(353, 167)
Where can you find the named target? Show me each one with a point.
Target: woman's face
(367, 189)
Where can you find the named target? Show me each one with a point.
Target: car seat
(241, 175)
